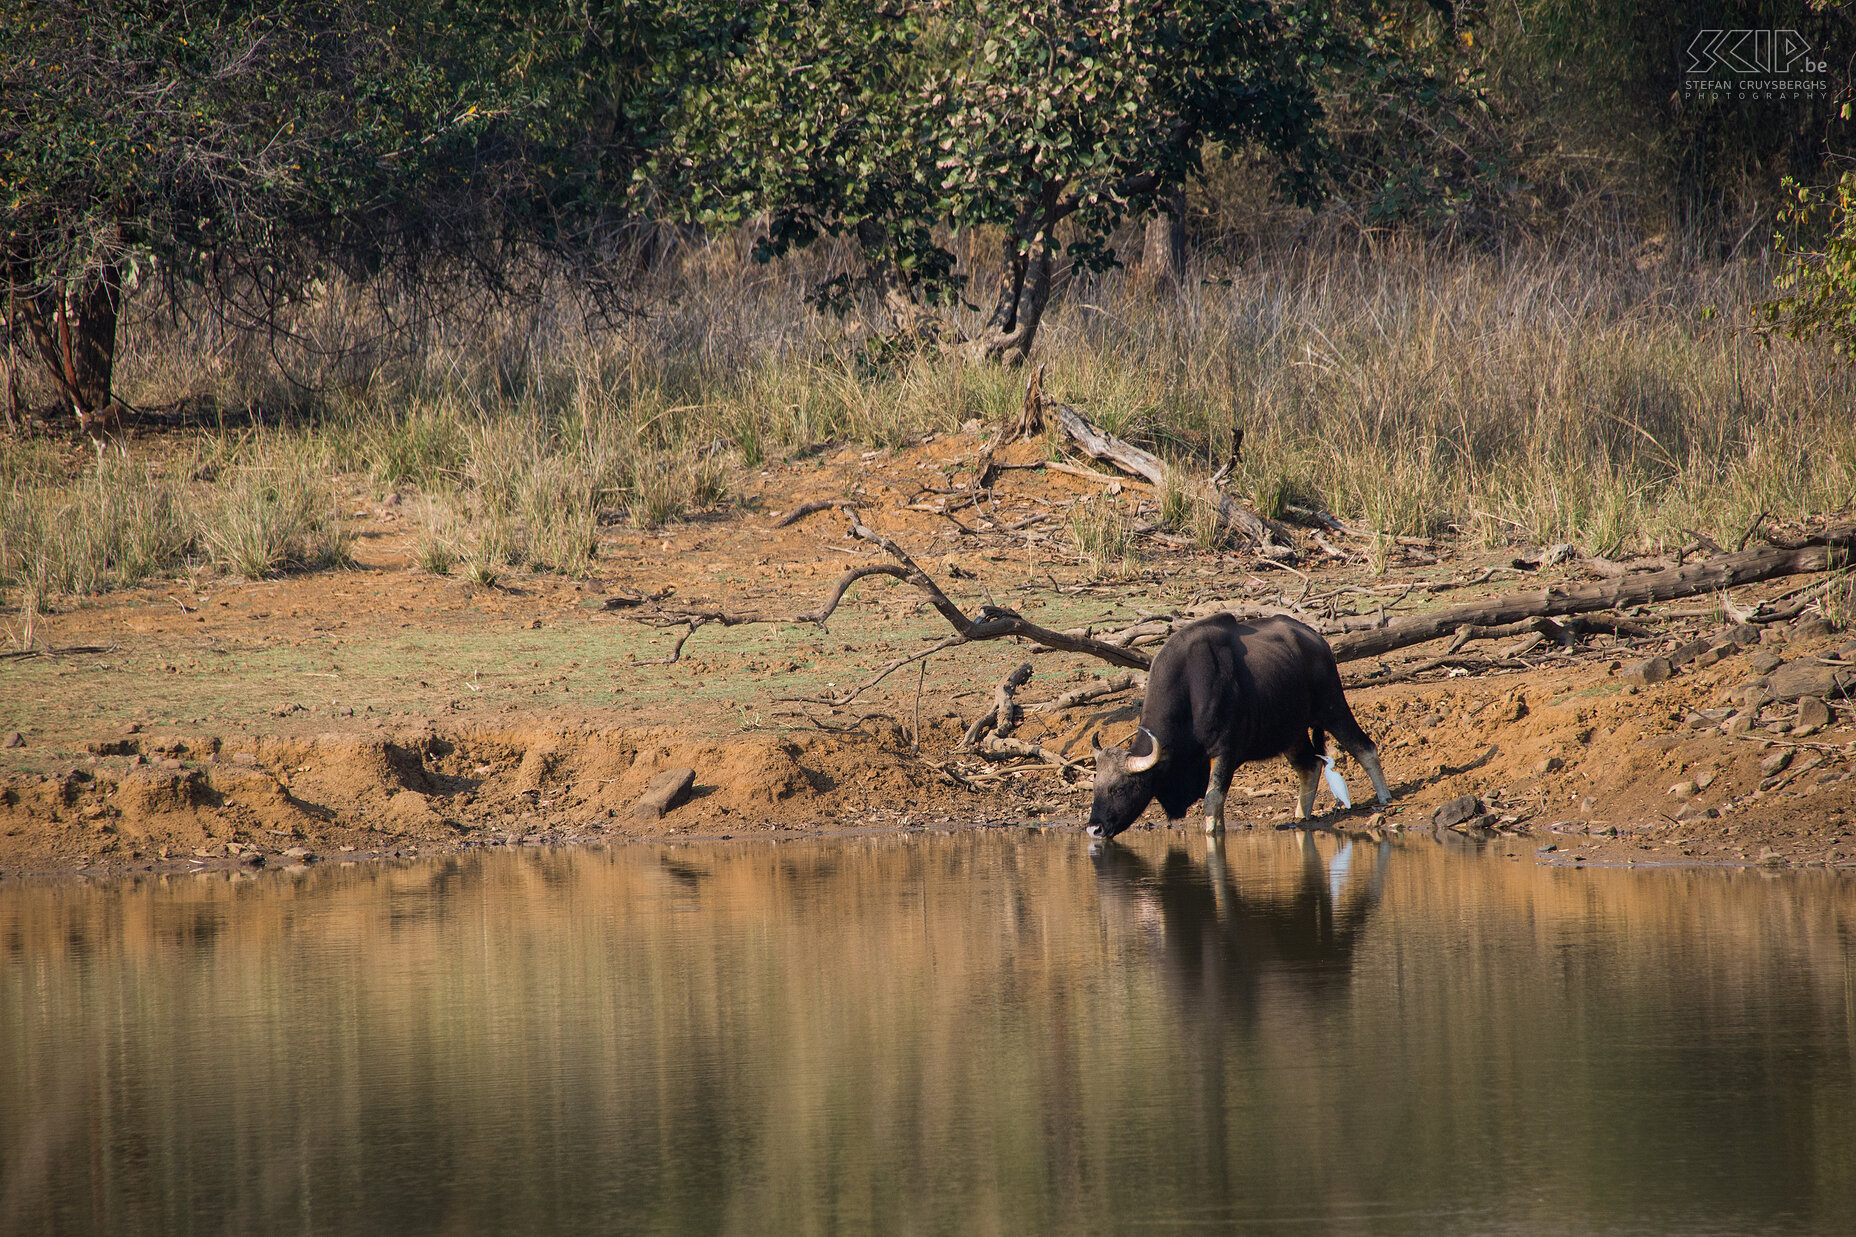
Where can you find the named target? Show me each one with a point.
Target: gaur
(1223, 691)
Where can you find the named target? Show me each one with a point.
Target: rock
(1552, 764)
(1765, 661)
(1775, 762)
(1705, 778)
(1813, 712)
(1654, 670)
(1739, 723)
(1803, 678)
(1688, 652)
(1742, 634)
(1708, 658)
(1684, 790)
(1771, 859)
(1458, 811)
(301, 853)
(14, 739)
(1774, 635)
(665, 792)
(1812, 627)
(1430, 721)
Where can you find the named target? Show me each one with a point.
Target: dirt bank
(383, 709)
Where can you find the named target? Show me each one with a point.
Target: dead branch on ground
(1822, 552)
(1266, 538)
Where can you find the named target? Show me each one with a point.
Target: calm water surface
(989, 1032)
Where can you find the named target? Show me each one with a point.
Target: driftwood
(1352, 638)
(1082, 695)
(993, 622)
(1823, 552)
(1002, 718)
(1101, 445)
(1012, 749)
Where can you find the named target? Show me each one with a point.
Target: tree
(1817, 285)
(1050, 122)
(244, 150)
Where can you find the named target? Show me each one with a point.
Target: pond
(993, 1031)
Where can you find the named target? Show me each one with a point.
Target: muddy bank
(385, 709)
(1709, 765)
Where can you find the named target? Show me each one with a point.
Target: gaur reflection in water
(1224, 691)
(1211, 936)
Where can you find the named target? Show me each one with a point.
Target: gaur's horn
(1141, 764)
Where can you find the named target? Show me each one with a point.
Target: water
(986, 1032)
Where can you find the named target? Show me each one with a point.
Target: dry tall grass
(1532, 394)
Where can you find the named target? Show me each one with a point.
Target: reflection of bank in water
(1218, 939)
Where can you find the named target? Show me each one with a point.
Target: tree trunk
(1024, 293)
(73, 325)
(1163, 255)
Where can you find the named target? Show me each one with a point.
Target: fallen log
(1101, 445)
(1823, 552)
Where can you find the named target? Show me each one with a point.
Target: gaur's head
(1124, 786)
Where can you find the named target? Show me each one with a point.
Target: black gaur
(1223, 691)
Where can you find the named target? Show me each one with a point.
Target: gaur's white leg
(1222, 768)
(1305, 802)
(1369, 760)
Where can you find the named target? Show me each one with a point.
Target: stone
(1803, 678)
(1431, 721)
(1458, 811)
(1688, 652)
(1739, 723)
(1552, 764)
(664, 792)
(1652, 670)
(1813, 712)
(1708, 658)
(1705, 778)
(1742, 634)
(1776, 762)
(1774, 635)
(1812, 627)
(14, 739)
(1684, 790)
(1765, 661)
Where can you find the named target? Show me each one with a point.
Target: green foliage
(1817, 285)
(890, 124)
